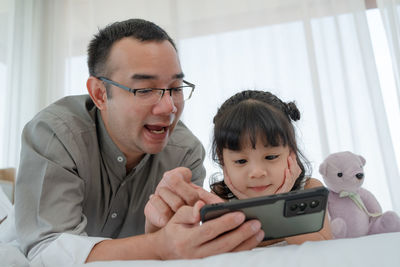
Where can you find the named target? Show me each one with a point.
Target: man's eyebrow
(143, 77)
(179, 75)
(139, 76)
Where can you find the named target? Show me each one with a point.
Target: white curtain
(390, 12)
(6, 11)
(319, 53)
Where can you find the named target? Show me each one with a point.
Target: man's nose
(166, 103)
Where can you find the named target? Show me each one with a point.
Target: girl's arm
(324, 234)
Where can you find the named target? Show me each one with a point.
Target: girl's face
(255, 172)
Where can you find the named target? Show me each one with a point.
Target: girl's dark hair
(250, 114)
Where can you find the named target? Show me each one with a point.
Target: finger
(183, 173)
(245, 236)
(178, 181)
(290, 161)
(196, 210)
(251, 243)
(209, 198)
(157, 212)
(283, 188)
(213, 228)
(206, 196)
(188, 214)
(170, 198)
(181, 233)
(149, 227)
(293, 165)
(293, 156)
(288, 181)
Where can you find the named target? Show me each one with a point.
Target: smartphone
(281, 215)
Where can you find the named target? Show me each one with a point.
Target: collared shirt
(72, 179)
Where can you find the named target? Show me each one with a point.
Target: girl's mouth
(259, 188)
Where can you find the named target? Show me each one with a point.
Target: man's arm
(49, 193)
(184, 237)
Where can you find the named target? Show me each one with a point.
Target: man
(90, 164)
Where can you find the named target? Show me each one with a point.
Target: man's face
(138, 128)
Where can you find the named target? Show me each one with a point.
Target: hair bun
(293, 111)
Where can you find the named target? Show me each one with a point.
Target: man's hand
(174, 190)
(184, 237)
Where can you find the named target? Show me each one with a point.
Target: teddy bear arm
(370, 202)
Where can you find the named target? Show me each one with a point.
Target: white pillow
(5, 205)
(7, 227)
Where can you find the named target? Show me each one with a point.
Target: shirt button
(120, 159)
(123, 183)
(114, 215)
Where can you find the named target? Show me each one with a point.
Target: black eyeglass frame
(131, 90)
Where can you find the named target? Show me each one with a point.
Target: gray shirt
(72, 177)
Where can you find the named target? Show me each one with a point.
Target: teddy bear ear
(363, 161)
(322, 168)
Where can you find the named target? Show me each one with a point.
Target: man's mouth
(156, 129)
(162, 130)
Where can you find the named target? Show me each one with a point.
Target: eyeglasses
(151, 96)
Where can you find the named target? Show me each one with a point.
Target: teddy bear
(353, 210)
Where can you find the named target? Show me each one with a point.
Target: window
(280, 58)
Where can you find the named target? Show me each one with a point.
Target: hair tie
(292, 111)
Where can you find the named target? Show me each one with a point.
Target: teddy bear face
(343, 171)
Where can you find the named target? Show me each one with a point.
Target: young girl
(254, 143)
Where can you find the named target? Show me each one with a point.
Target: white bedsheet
(374, 250)
(11, 256)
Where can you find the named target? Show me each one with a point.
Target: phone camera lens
(293, 207)
(314, 203)
(302, 206)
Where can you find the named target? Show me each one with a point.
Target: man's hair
(100, 46)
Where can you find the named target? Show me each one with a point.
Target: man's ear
(97, 92)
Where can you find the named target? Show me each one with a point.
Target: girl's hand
(291, 174)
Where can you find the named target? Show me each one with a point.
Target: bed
(373, 250)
